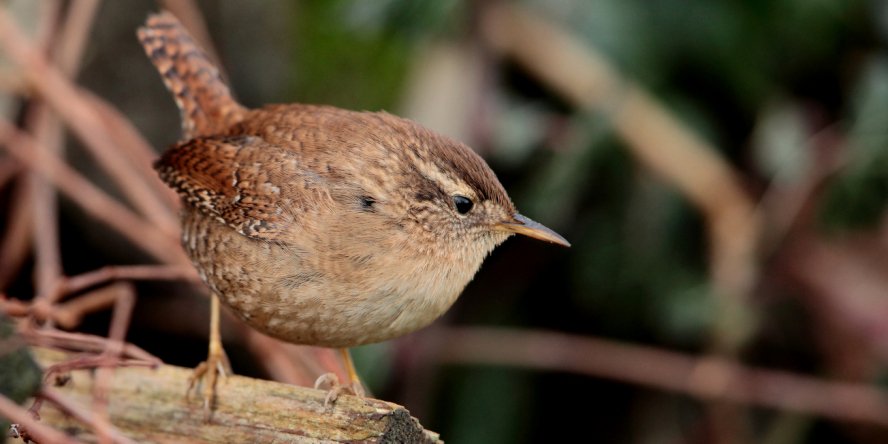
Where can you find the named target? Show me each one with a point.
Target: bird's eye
(462, 204)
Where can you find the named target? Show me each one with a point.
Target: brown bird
(317, 225)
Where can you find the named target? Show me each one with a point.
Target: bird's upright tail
(203, 98)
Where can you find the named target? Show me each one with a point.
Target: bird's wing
(252, 186)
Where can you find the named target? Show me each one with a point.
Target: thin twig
(138, 151)
(120, 319)
(707, 378)
(108, 273)
(47, 131)
(81, 342)
(88, 196)
(69, 315)
(17, 236)
(14, 307)
(93, 361)
(41, 433)
(84, 121)
(74, 34)
(14, 83)
(80, 413)
(47, 26)
(846, 284)
(9, 169)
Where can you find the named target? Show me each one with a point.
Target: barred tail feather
(203, 98)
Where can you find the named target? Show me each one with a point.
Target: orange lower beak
(522, 225)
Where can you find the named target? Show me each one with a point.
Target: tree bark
(149, 406)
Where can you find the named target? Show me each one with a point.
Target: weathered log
(149, 406)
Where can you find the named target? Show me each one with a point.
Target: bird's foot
(354, 388)
(216, 364)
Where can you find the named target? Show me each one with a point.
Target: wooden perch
(149, 406)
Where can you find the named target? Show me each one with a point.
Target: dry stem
(82, 414)
(41, 432)
(84, 121)
(707, 378)
(88, 196)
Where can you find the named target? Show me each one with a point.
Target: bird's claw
(354, 388)
(216, 364)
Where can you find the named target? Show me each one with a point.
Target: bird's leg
(353, 388)
(355, 380)
(216, 364)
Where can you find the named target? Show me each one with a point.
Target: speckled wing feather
(203, 98)
(242, 180)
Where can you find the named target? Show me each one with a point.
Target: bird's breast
(341, 293)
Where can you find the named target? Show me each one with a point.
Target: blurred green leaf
(342, 66)
(779, 142)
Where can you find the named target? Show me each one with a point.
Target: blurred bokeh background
(720, 167)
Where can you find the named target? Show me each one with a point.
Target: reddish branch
(34, 429)
(88, 196)
(69, 315)
(138, 151)
(81, 414)
(9, 169)
(120, 319)
(74, 35)
(81, 342)
(73, 284)
(83, 120)
(706, 378)
(46, 129)
(17, 236)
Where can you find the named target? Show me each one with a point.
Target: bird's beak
(522, 225)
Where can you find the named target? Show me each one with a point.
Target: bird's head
(447, 192)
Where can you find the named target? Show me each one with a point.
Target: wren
(322, 226)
